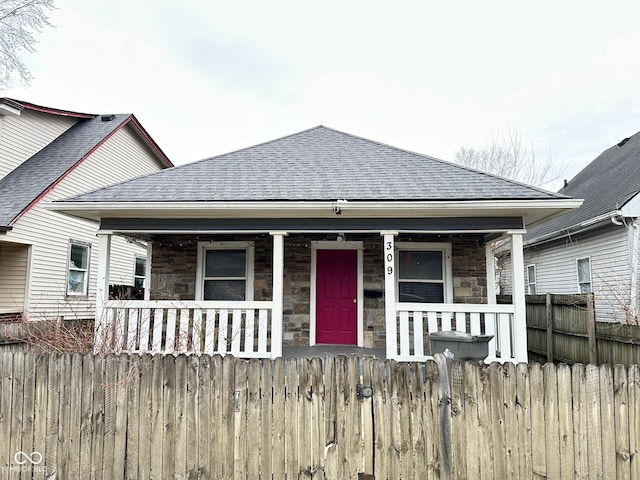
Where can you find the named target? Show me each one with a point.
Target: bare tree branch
(19, 21)
(507, 156)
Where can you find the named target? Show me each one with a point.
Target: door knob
(355, 300)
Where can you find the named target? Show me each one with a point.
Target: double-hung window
(583, 266)
(531, 279)
(140, 272)
(78, 269)
(424, 272)
(225, 271)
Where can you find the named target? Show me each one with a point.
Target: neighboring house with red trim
(319, 237)
(48, 261)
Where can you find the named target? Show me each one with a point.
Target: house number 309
(389, 258)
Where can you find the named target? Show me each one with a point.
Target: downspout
(634, 233)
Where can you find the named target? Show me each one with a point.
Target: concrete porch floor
(322, 351)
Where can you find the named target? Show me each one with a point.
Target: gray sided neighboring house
(594, 249)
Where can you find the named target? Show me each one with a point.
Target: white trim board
(337, 245)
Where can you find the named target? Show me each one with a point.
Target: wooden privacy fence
(563, 328)
(84, 416)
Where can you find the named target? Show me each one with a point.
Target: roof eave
(587, 225)
(18, 104)
(531, 210)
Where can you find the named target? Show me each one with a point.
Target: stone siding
(173, 276)
(469, 270)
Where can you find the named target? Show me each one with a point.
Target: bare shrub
(53, 335)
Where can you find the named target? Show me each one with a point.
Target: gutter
(339, 206)
(585, 226)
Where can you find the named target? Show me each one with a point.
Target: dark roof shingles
(606, 184)
(317, 164)
(22, 186)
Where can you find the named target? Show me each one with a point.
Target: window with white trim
(531, 279)
(225, 271)
(78, 269)
(424, 272)
(140, 271)
(583, 265)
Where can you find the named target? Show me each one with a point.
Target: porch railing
(173, 327)
(244, 328)
(414, 322)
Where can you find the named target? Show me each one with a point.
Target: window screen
(225, 275)
(421, 276)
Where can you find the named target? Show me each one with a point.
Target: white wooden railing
(173, 327)
(414, 322)
(244, 328)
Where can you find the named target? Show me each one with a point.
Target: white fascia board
(632, 207)
(531, 210)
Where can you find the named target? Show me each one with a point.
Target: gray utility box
(463, 346)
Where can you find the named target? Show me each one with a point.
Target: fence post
(549, 315)
(591, 330)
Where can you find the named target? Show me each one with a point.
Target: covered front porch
(407, 283)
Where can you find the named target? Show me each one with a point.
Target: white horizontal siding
(121, 157)
(13, 276)
(609, 253)
(50, 234)
(24, 135)
(123, 261)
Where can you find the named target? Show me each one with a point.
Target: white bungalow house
(48, 261)
(319, 237)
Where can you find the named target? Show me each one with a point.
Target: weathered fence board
(634, 420)
(538, 422)
(580, 433)
(156, 398)
(594, 421)
(565, 422)
(80, 416)
(523, 394)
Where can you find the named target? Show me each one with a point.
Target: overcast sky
(208, 77)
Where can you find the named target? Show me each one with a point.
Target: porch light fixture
(336, 206)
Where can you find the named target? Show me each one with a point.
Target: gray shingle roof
(34, 176)
(317, 164)
(606, 184)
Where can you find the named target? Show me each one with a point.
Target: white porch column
(519, 303)
(278, 293)
(391, 333)
(147, 272)
(102, 289)
(491, 274)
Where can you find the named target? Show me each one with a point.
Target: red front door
(336, 294)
